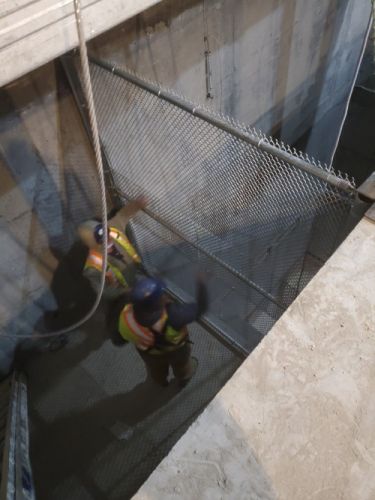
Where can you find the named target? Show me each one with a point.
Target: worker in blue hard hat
(158, 328)
(123, 261)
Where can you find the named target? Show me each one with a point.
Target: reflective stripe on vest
(133, 332)
(119, 238)
(113, 274)
(143, 337)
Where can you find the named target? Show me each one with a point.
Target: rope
(87, 87)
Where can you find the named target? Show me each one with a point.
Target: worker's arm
(109, 292)
(124, 214)
(180, 315)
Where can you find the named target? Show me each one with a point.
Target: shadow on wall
(314, 88)
(48, 186)
(356, 153)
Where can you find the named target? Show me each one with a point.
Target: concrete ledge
(33, 33)
(296, 421)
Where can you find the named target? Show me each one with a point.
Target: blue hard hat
(148, 291)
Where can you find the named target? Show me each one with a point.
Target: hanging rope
(87, 87)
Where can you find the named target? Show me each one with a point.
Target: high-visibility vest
(114, 276)
(120, 239)
(144, 338)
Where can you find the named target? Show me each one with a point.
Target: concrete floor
(98, 426)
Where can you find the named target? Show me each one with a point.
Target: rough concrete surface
(48, 185)
(283, 66)
(33, 33)
(296, 420)
(356, 153)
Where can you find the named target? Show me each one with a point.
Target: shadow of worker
(112, 430)
(73, 293)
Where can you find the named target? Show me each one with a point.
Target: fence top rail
(257, 139)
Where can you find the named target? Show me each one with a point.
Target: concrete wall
(285, 66)
(296, 420)
(339, 75)
(282, 65)
(33, 33)
(356, 153)
(47, 186)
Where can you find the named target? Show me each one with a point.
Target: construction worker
(122, 268)
(158, 328)
(123, 262)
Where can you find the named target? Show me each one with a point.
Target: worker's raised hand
(141, 202)
(127, 211)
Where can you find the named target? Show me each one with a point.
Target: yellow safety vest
(114, 276)
(144, 339)
(120, 239)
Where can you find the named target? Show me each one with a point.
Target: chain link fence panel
(256, 224)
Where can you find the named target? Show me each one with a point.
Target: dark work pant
(158, 364)
(114, 308)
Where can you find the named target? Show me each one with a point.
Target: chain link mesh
(256, 224)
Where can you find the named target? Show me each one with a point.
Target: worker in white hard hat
(123, 261)
(123, 265)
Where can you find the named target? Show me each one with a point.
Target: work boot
(193, 368)
(157, 381)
